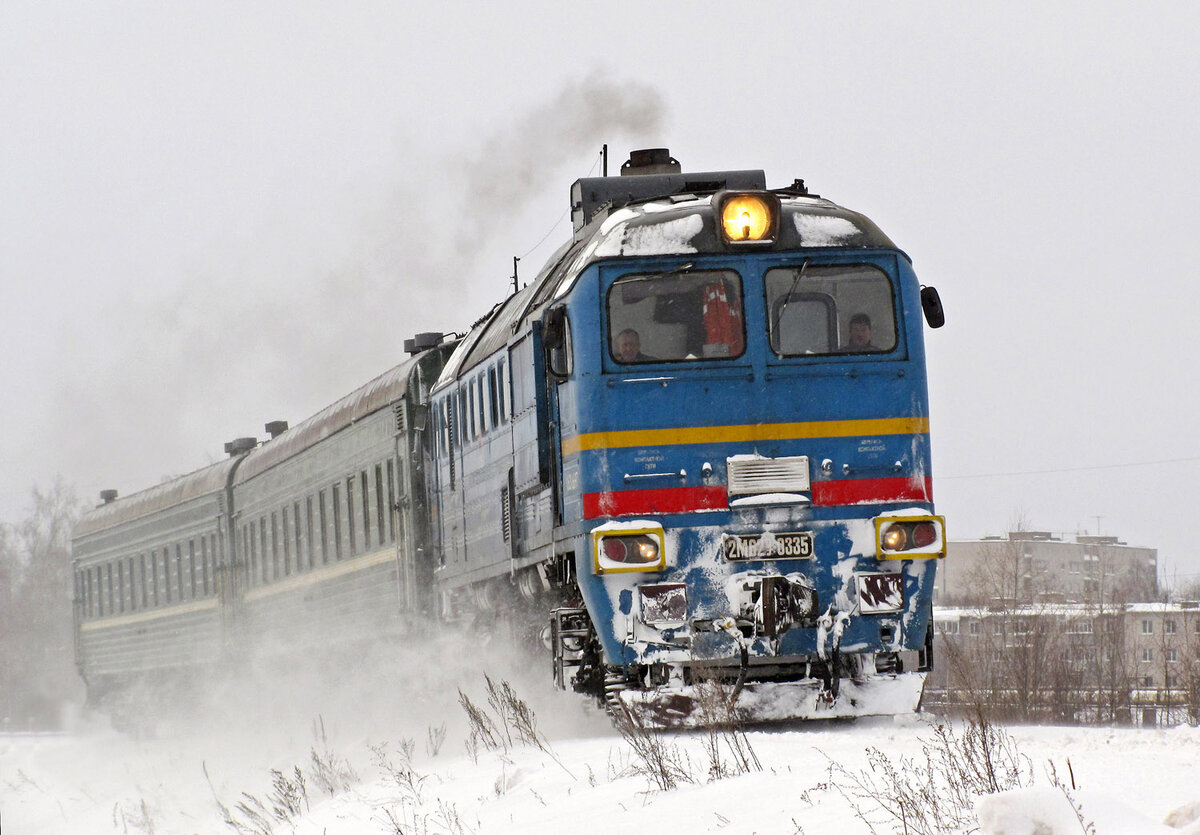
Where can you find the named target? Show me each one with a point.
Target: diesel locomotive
(691, 456)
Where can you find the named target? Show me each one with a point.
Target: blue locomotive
(692, 456)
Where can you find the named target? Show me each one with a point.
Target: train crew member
(860, 333)
(629, 347)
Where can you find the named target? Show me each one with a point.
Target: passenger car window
(676, 316)
(844, 309)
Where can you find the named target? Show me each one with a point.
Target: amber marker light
(749, 218)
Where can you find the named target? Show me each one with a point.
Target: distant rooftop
(1052, 536)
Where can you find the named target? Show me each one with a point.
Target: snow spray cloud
(317, 302)
(372, 691)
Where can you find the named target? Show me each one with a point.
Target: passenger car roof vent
(240, 445)
(423, 342)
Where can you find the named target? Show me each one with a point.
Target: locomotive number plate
(769, 545)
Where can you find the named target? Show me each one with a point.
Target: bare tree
(36, 594)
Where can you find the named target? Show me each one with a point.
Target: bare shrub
(1086, 826)
(509, 713)
(329, 773)
(126, 815)
(435, 739)
(659, 760)
(287, 794)
(724, 728)
(935, 793)
(482, 729)
(403, 774)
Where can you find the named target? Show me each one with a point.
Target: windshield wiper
(783, 308)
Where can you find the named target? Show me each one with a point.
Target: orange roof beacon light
(748, 217)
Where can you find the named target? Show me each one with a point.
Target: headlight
(748, 218)
(902, 537)
(627, 549)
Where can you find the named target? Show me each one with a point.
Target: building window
(337, 523)
(1147, 627)
(166, 572)
(1147, 654)
(120, 586)
(296, 532)
(249, 548)
(350, 515)
(1171, 655)
(262, 547)
(501, 396)
(324, 530)
(381, 527)
(974, 628)
(493, 393)
(308, 526)
(179, 570)
(287, 541)
(364, 482)
(391, 501)
(1169, 626)
(275, 572)
(483, 406)
(191, 583)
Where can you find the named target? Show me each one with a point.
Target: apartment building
(1133, 663)
(1043, 567)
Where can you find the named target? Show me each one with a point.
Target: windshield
(673, 316)
(830, 310)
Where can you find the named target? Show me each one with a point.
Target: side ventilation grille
(506, 513)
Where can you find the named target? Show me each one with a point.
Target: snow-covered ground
(382, 743)
(586, 780)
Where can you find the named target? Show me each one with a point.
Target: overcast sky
(213, 215)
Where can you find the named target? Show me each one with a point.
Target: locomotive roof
(177, 491)
(680, 224)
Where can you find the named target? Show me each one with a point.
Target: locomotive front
(743, 427)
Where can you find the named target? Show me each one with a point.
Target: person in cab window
(629, 347)
(860, 334)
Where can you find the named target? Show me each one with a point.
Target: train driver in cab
(629, 347)
(860, 334)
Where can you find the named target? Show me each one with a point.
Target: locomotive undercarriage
(742, 689)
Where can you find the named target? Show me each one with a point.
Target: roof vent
(650, 161)
(276, 428)
(239, 446)
(108, 496)
(423, 342)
